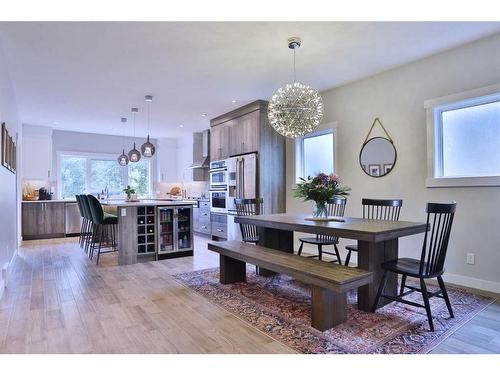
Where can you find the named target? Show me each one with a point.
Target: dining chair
(336, 207)
(104, 228)
(377, 209)
(431, 263)
(249, 207)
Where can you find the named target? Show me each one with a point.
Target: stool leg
(300, 248)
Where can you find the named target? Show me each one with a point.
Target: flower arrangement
(320, 189)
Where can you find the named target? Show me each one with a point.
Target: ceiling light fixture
(233, 101)
(148, 149)
(134, 155)
(123, 158)
(295, 109)
(181, 126)
(204, 115)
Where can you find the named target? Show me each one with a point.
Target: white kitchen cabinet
(37, 153)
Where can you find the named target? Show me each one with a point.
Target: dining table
(377, 243)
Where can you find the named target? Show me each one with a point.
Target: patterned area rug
(281, 308)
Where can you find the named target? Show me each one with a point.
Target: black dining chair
(104, 228)
(336, 207)
(431, 263)
(249, 207)
(377, 209)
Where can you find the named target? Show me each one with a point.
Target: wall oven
(218, 174)
(219, 200)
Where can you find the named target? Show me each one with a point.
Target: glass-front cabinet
(175, 231)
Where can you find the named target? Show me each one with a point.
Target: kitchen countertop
(149, 202)
(53, 201)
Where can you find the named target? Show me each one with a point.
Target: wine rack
(146, 230)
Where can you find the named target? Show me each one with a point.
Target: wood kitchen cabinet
(43, 220)
(246, 130)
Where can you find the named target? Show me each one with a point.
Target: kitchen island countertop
(148, 202)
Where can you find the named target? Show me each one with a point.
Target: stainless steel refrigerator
(242, 183)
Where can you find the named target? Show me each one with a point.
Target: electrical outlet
(471, 258)
(124, 212)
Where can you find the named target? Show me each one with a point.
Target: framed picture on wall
(374, 170)
(5, 146)
(387, 168)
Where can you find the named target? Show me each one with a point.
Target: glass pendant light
(133, 154)
(148, 149)
(295, 109)
(123, 158)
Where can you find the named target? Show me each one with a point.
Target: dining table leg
(370, 256)
(274, 239)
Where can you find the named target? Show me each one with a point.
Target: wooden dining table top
(353, 228)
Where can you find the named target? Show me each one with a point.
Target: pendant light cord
(294, 73)
(149, 115)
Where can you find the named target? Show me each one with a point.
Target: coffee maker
(43, 194)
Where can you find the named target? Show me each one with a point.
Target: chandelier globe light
(134, 155)
(296, 108)
(148, 149)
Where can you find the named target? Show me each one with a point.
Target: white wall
(9, 204)
(397, 97)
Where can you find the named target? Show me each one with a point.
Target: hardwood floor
(57, 301)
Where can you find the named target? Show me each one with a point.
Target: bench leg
(328, 308)
(274, 239)
(232, 270)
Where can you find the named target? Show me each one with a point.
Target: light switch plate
(471, 258)
(124, 212)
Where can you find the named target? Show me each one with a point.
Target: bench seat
(329, 282)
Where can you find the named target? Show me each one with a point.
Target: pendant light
(133, 154)
(123, 158)
(148, 149)
(295, 109)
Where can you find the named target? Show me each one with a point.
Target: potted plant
(131, 196)
(320, 189)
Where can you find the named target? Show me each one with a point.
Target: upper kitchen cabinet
(246, 130)
(37, 138)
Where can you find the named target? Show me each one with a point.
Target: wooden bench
(329, 282)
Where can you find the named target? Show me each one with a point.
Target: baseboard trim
(471, 282)
(4, 275)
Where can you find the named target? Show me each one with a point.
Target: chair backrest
(86, 207)
(381, 209)
(336, 207)
(439, 220)
(249, 207)
(79, 202)
(95, 209)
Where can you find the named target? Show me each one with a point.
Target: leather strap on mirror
(383, 128)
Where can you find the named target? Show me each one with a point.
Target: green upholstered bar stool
(89, 230)
(104, 228)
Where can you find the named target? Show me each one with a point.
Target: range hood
(201, 150)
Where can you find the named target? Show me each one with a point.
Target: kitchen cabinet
(247, 130)
(37, 138)
(43, 220)
(220, 142)
(219, 225)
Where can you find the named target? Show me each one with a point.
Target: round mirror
(377, 157)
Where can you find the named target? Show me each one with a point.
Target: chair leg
(381, 287)
(427, 304)
(103, 237)
(403, 284)
(300, 248)
(320, 252)
(348, 258)
(445, 295)
(337, 253)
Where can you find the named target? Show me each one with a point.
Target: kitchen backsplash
(193, 189)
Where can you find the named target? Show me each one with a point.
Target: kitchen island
(152, 229)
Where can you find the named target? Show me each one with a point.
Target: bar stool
(84, 224)
(88, 234)
(336, 207)
(104, 228)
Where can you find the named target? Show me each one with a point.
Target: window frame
(96, 156)
(330, 128)
(434, 109)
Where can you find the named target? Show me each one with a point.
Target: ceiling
(85, 76)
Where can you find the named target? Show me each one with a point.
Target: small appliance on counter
(44, 195)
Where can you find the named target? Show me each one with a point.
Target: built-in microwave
(218, 174)
(219, 201)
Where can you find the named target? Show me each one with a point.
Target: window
(315, 153)
(82, 173)
(465, 140)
